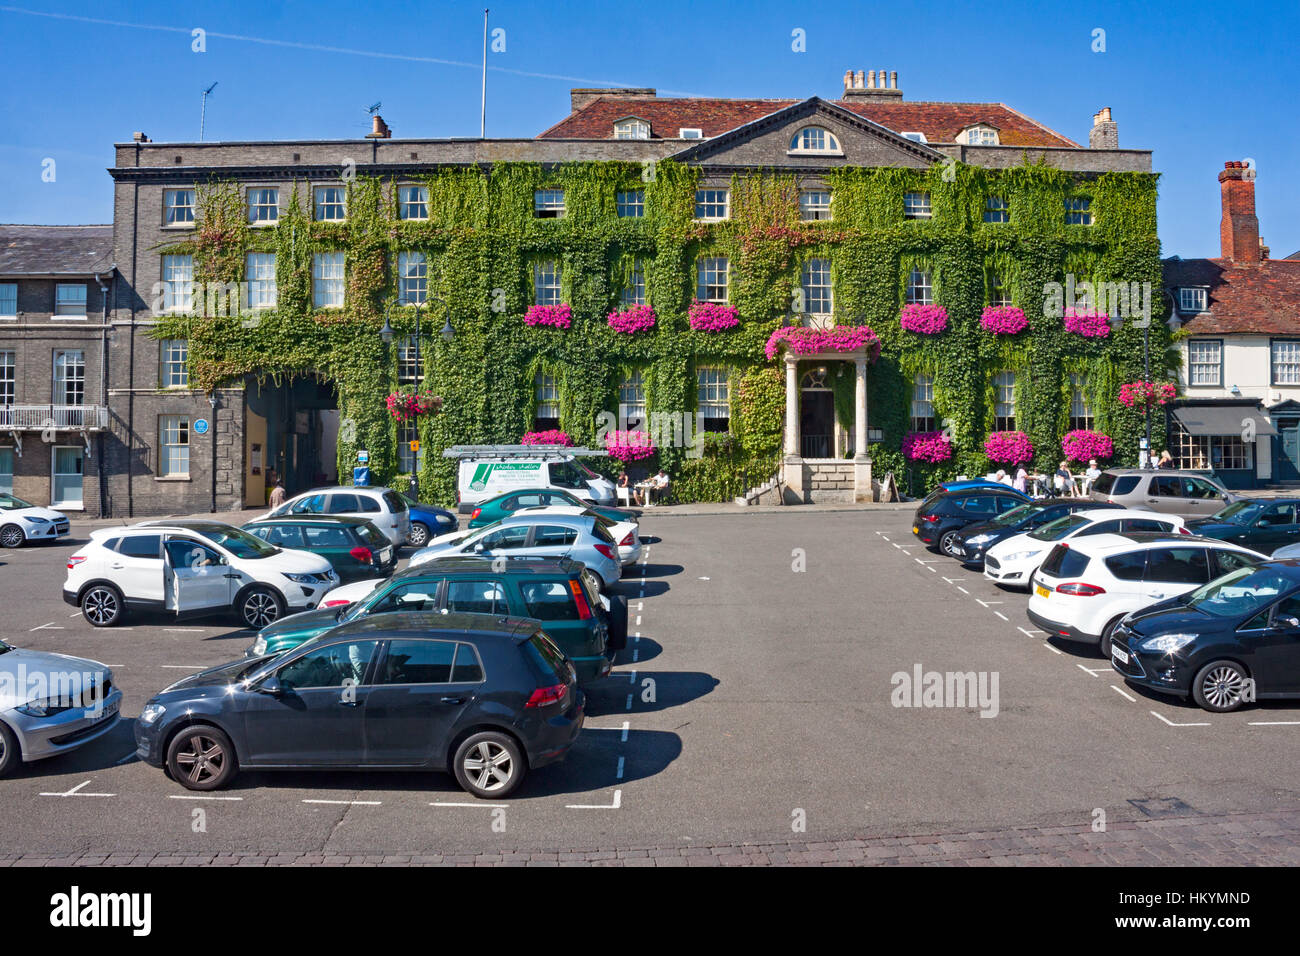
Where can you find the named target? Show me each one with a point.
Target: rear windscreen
(1065, 563)
(1103, 484)
(546, 659)
(372, 535)
(396, 503)
(1125, 484)
(549, 600)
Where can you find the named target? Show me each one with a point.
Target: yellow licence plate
(1041, 591)
(915, 530)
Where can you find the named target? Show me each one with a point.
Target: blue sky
(1197, 82)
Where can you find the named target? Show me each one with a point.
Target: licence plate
(1118, 655)
(605, 601)
(108, 711)
(915, 529)
(1041, 591)
(385, 555)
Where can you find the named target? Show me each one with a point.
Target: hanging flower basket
(1003, 320)
(408, 406)
(838, 338)
(1146, 394)
(925, 319)
(1080, 445)
(560, 316)
(932, 447)
(634, 319)
(1091, 325)
(1010, 448)
(712, 317)
(552, 436)
(629, 446)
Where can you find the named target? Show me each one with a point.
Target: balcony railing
(59, 417)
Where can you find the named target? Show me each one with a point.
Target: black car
(1263, 524)
(974, 540)
(939, 518)
(486, 696)
(1226, 643)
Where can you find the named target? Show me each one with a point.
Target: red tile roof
(1262, 299)
(940, 122)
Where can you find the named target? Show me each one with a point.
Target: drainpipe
(212, 400)
(103, 386)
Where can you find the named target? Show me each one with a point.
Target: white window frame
(1080, 413)
(999, 292)
(980, 136)
(812, 208)
(713, 393)
(8, 300)
(1004, 401)
(412, 198)
(173, 435)
(631, 128)
(630, 203)
(1289, 351)
(815, 141)
(1078, 211)
(265, 211)
(408, 462)
(328, 277)
(546, 396)
(1213, 378)
(408, 363)
(330, 203)
(631, 398)
(548, 282)
(815, 280)
(67, 504)
(634, 293)
(8, 376)
(7, 469)
(69, 370)
(718, 270)
(173, 357)
(77, 302)
(1193, 299)
(548, 203)
(712, 205)
(996, 210)
(177, 215)
(178, 283)
(917, 205)
(920, 287)
(412, 278)
(922, 418)
(259, 271)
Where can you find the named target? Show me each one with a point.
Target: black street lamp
(1117, 323)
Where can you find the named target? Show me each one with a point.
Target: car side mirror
(270, 686)
(1287, 623)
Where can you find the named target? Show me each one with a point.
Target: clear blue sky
(1197, 82)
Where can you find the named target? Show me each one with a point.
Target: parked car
(354, 547)
(191, 567)
(21, 522)
(490, 474)
(1230, 641)
(1012, 561)
(487, 697)
(974, 540)
(385, 507)
(624, 532)
(588, 627)
(971, 484)
(52, 703)
(939, 519)
(427, 522)
(1187, 493)
(496, 508)
(1264, 524)
(1087, 586)
(581, 537)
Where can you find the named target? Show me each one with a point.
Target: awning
(1222, 420)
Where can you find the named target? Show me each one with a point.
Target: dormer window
(631, 128)
(916, 137)
(815, 139)
(1192, 300)
(979, 136)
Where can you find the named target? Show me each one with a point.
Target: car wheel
(11, 536)
(489, 765)
(419, 535)
(260, 607)
(593, 579)
(101, 606)
(202, 758)
(1106, 633)
(1220, 686)
(948, 544)
(10, 753)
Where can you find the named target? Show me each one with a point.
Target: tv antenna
(374, 108)
(203, 111)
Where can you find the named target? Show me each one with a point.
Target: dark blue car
(427, 522)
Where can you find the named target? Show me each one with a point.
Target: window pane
(711, 279)
(631, 204)
(916, 205)
(327, 280)
(260, 270)
(711, 203)
(546, 283)
(329, 666)
(412, 278)
(475, 597)
(817, 287)
(178, 279)
(814, 204)
(418, 662)
(173, 446)
(175, 372)
(413, 202)
(70, 300)
(263, 205)
(330, 203)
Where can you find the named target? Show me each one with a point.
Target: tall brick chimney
(1105, 131)
(578, 98)
(1239, 228)
(378, 128)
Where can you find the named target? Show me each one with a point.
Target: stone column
(862, 490)
(791, 406)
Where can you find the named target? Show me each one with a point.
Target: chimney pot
(874, 86)
(848, 79)
(871, 79)
(140, 137)
(1105, 132)
(893, 79)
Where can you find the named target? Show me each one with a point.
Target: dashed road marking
(1094, 671)
(348, 803)
(619, 774)
(1172, 724)
(1122, 694)
(1001, 615)
(962, 589)
(1054, 650)
(490, 806)
(618, 802)
(76, 792)
(626, 726)
(185, 796)
(1273, 723)
(47, 627)
(1030, 631)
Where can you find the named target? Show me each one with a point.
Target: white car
(192, 567)
(1012, 562)
(1087, 585)
(21, 521)
(626, 533)
(382, 506)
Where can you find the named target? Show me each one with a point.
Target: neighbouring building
(253, 279)
(1240, 415)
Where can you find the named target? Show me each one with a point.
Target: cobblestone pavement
(1237, 839)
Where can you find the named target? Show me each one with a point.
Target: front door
(1287, 463)
(816, 423)
(416, 701)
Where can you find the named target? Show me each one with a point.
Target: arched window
(814, 139)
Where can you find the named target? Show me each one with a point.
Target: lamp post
(1117, 323)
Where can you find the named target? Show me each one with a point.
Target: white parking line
(48, 627)
(618, 801)
(182, 796)
(962, 590)
(1054, 650)
(1030, 631)
(1172, 724)
(629, 701)
(183, 667)
(1122, 694)
(638, 620)
(348, 803)
(1094, 671)
(1003, 616)
(620, 768)
(76, 792)
(489, 806)
(1273, 723)
(987, 603)
(626, 725)
(184, 630)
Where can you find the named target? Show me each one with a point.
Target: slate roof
(1261, 298)
(55, 250)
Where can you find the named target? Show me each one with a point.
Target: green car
(549, 590)
(354, 547)
(504, 505)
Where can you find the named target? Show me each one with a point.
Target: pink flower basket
(560, 316)
(408, 406)
(838, 338)
(932, 447)
(1011, 448)
(636, 318)
(552, 436)
(712, 317)
(1003, 320)
(925, 319)
(1080, 445)
(1143, 394)
(1091, 325)
(629, 446)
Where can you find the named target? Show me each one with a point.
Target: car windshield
(1241, 593)
(1241, 512)
(1016, 515)
(1058, 529)
(239, 543)
(9, 502)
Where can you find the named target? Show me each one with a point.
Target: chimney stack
(878, 86)
(379, 129)
(578, 98)
(1239, 228)
(1105, 132)
(140, 137)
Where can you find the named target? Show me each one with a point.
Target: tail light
(337, 603)
(75, 560)
(627, 541)
(580, 599)
(607, 551)
(1182, 530)
(546, 695)
(1079, 589)
(477, 512)
(362, 554)
(931, 519)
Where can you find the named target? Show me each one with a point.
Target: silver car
(51, 703)
(1187, 493)
(581, 537)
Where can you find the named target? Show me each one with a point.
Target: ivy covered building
(737, 222)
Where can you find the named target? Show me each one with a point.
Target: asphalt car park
(757, 698)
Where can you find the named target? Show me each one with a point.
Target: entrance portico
(807, 475)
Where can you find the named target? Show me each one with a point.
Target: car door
(308, 505)
(317, 716)
(551, 541)
(1165, 493)
(281, 535)
(418, 697)
(198, 577)
(137, 567)
(1146, 525)
(1109, 526)
(1204, 497)
(505, 542)
(423, 594)
(1275, 527)
(1275, 648)
(1174, 571)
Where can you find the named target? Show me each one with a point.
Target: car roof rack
(520, 451)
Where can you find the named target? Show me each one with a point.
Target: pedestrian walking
(278, 494)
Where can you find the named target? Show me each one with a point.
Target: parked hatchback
(385, 507)
(487, 697)
(21, 522)
(1186, 493)
(1264, 524)
(974, 540)
(939, 519)
(1086, 587)
(512, 501)
(354, 547)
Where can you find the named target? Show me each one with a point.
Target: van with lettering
(487, 475)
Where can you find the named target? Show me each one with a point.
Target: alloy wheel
(202, 759)
(949, 543)
(100, 606)
(419, 536)
(1223, 687)
(11, 536)
(489, 766)
(260, 609)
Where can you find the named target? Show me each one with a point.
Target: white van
(481, 477)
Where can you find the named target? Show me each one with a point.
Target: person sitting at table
(659, 486)
(1063, 481)
(625, 485)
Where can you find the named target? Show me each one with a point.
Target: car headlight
(980, 539)
(1021, 555)
(1167, 643)
(41, 708)
(259, 647)
(36, 522)
(307, 578)
(151, 713)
